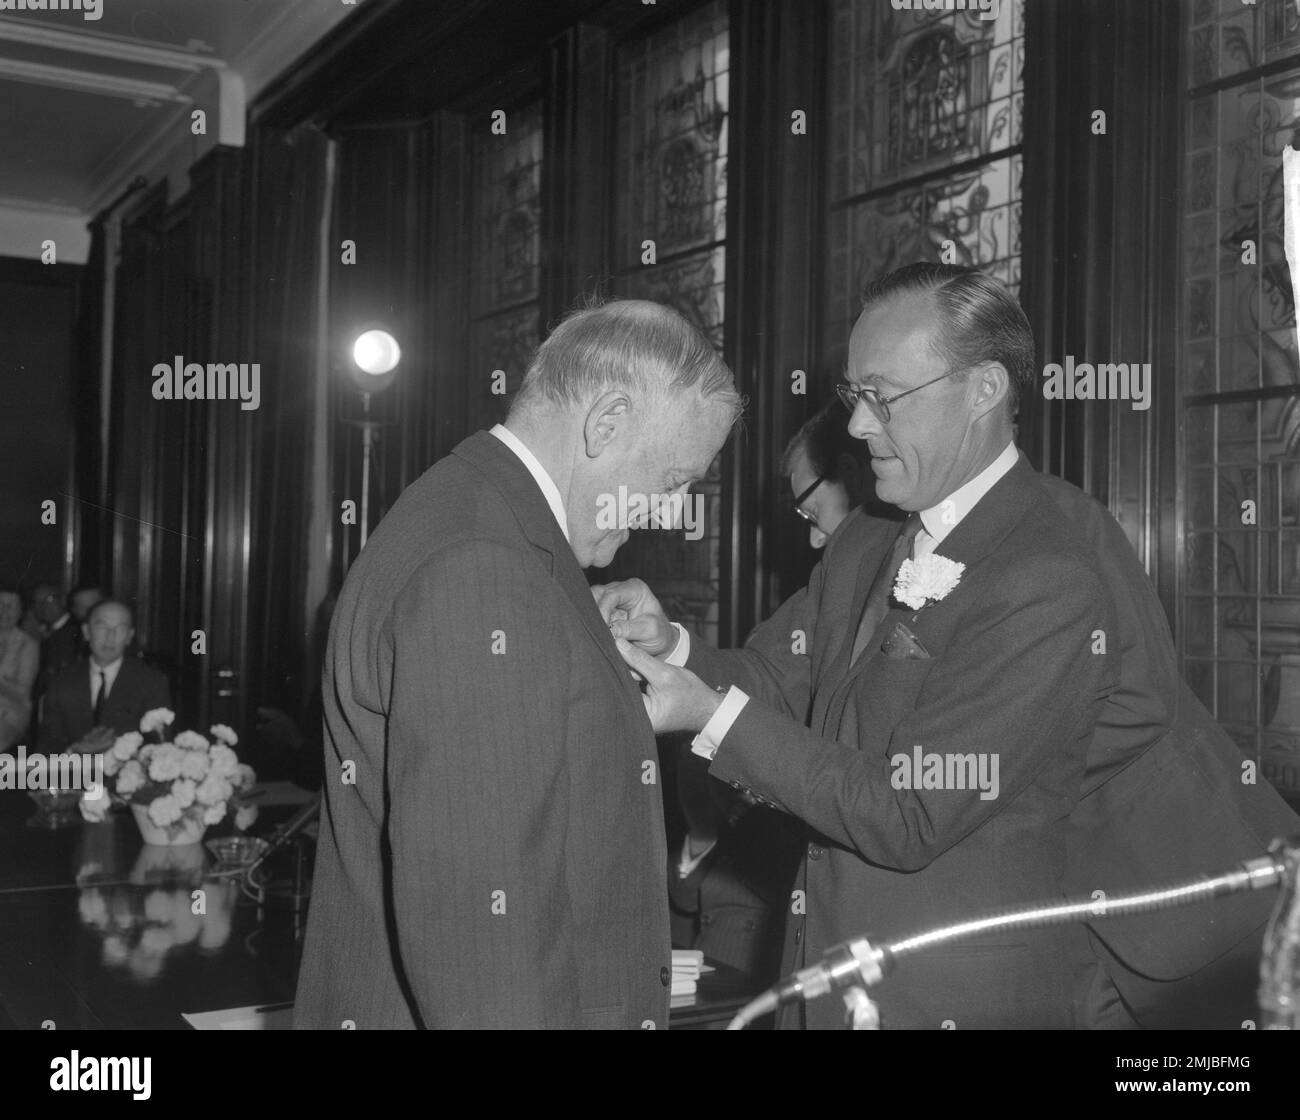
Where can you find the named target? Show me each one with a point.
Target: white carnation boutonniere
(926, 580)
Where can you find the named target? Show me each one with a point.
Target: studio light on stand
(373, 356)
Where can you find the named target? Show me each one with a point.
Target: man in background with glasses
(830, 474)
(979, 710)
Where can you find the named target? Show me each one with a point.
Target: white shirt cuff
(706, 743)
(688, 862)
(682, 650)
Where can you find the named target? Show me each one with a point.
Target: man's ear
(992, 383)
(606, 416)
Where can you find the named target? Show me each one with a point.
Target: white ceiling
(88, 104)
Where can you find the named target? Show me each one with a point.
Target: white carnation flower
(245, 816)
(130, 778)
(164, 810)
(215, 814)
(156, 719)
(928, 579)
(224, 734)
(165, 764)
(213, 789)
(244, 777)
(112, 764)
(125, 746)
(224, 761)
(183, 791)
(195, 765)
(191, 741)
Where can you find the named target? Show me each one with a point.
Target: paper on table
(1291, 214)
(276, 1017)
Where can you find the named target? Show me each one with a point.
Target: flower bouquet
(176, 788)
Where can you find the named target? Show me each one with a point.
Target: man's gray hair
(632, 344)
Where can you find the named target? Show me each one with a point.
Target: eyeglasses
(851, 394)
(799, 501)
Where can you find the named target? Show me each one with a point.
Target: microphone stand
(853, 966)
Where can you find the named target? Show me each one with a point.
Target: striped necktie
(882, 586)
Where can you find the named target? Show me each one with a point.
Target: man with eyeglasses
(979, 710)
(830, 474)
(96, 699)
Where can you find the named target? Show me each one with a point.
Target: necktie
(101, 694)
(881, 587)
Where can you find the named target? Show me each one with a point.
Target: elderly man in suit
(976, 711)
(95, 699)
(492, 850)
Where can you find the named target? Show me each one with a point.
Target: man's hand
(632, 613)
(675, 699)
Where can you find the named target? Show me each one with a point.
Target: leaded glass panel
(1240, 616)
(671, 188)
(926, 123)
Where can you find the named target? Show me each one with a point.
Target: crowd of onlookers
(71, 677)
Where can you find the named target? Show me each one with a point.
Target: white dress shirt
(550, 491)
(109, 672)
(936, 523)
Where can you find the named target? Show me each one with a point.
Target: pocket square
(902, 645)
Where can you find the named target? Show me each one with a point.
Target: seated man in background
(19, 658)
(729, 884)
(94, 700)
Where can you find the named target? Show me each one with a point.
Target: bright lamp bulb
(376, 353)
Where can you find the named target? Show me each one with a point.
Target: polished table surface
(97, 931)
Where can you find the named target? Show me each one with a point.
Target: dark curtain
(289, 190)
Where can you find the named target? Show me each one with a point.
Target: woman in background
(20, 659)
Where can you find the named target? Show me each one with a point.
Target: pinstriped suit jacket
(498, 861)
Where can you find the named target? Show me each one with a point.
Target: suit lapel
(503, 468)
(876, 557)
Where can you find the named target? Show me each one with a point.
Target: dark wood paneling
(38, 308)
(773, 265)
(1100, 244)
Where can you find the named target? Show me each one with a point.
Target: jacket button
(665, 976)
(706, 919)
(814, 852)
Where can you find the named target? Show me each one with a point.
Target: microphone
(850, 964)
(854, 965)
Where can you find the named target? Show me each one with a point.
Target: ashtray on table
(236, 851)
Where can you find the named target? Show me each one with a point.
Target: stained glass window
(1240, 612)
(926, 124)
(671, 188)
(506, 240)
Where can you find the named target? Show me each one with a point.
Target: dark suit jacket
(67, 715)
(498, 859)
(1011, 676)
(1166, 798)
(1112, 776)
